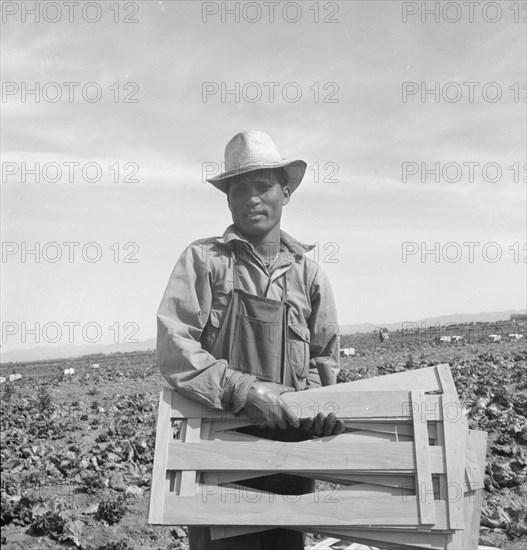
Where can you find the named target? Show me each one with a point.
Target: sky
(371, 96)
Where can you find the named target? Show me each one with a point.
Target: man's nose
(252, 199)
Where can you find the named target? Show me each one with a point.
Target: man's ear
(286, 190)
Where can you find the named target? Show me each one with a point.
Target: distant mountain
(454, 318)
(42, 353)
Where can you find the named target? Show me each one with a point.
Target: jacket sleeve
(181, 318)
(323, 324)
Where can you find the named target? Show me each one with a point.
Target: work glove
(266, 409)
(322, 425)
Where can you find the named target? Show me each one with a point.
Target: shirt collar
(296, 248)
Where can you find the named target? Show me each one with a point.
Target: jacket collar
(296, 248)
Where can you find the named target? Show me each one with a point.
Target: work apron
(253, 338)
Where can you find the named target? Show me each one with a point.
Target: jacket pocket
(212, 328)
(298, 349)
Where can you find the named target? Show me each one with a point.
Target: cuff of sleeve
(236, 390)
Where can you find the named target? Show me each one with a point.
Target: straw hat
(252, 150)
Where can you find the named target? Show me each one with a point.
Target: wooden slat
(253, 508)
(384, 427)
(361, 489)
(359, 436)
(223, 531)
(453, 426)
(374, 405)
(459, 496)
(473, 474)
(446, 380)
(451, 437)
(393, 540)
(425, 490)
(378, 489)
(440, 505)
(442, 478)
(426, 379)
(392, 428)
(324, 544)
(276, 456)
(206, 429)
(159, 470)
(186, 480)
(367, 435)
(366, 405)
(474, 500)
(406, 482)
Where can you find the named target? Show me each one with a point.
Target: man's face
(256, 201)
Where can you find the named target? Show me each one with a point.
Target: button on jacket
(196, 300)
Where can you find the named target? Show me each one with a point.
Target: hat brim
(293, 172)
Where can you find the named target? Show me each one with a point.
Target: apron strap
(284, 292)
(235, 279)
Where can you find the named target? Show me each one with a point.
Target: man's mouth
(255, 213)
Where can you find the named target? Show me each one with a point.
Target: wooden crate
(403, 450)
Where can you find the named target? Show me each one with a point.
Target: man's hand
(266, 409)
(322, 425)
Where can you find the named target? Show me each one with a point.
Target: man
(246, 317)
